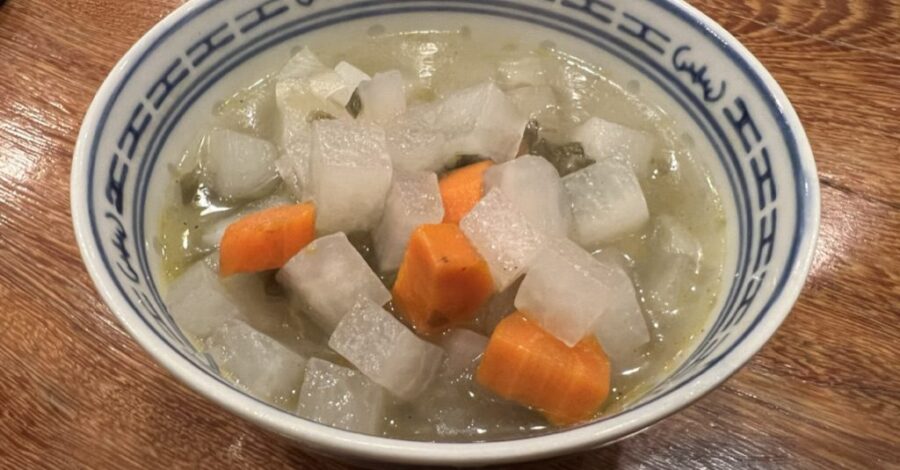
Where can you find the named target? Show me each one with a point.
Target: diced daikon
(503, 236)
(463, 349)
(383, 98)
(239, 166)
(198, 302)
(302, 65)
(352, 78)
(294, 164)
(677, 255)
(533, 186)
(302, 87)
(414, 199)
(457, 409)
(256, 362)
(604, 139)
(414, 142)
(571, 295)
(386, 351)
(351, 175)
(481, 120)
(607, 202)
(340, 397)
(328, 276)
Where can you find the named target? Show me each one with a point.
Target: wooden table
(76, 391)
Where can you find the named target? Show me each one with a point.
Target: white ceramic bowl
(739, 118)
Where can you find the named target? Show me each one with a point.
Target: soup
(422, 236)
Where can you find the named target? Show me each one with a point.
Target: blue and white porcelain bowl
(754, 146)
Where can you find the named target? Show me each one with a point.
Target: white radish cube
(604, 139)
(383, 98)
(414, 200)
(623, 328)
(414, 143)
(239, 166)
(458, 410)
(352, 78)
(297, 103)
(533, 186)
(351, 75)
(538, 103)
(503, 236)
(302, 65)
(678, 254)
(481, 120)
(386, 351)
(328, 276)
(666, 285)
(336, 85)
(342, 398)
(571, 295)
(256, 362)
(294, 164)
(295, 128)
(526, 71)
(304, 85)
(250, 110)
(351, 175)
(463, 348)
(199, 303)
(331, 86)
(671, 237)
(607, 202)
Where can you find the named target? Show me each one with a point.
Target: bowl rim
(335, 441)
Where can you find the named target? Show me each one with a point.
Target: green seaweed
(355, 106)
(566, 158)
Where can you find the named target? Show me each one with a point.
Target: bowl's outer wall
(763, 155)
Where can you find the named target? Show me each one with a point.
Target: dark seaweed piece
(189, 185)
(531, 136)
(319, 115)
(567, 158)
(354, 106)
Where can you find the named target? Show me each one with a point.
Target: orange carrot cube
(461, 189)
(267, 239)
(526, 364)
(442, 281)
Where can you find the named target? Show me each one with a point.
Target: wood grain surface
(77, 392)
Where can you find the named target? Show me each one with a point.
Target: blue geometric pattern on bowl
(720, 91)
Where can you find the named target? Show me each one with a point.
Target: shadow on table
(605, 458)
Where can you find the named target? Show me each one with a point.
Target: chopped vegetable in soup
(442, 240)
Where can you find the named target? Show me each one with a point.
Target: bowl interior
(744, 130)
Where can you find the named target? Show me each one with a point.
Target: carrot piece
(461, 189)
(526, 364)
(442, 281)
(267, 239)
